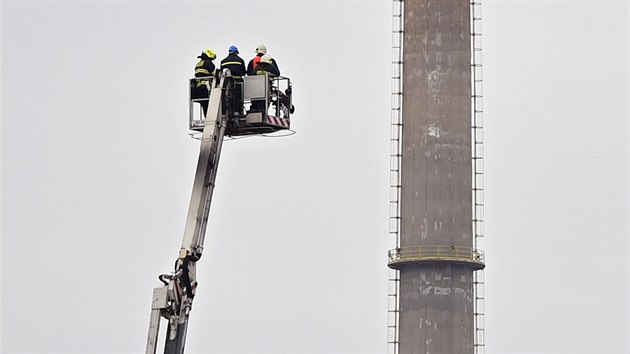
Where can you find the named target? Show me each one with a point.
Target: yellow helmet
(210, 53)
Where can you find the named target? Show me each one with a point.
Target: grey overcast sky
(97, 170)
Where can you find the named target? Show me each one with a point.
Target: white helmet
(261, 49)
(266, 59)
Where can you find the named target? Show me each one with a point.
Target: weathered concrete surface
(436, 300)
(436, 309)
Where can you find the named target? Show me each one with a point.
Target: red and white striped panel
(277, 121)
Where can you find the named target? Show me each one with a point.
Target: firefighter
(283, 98)
(235, 63)
(264, 66)
(260, 51)
(204, 69)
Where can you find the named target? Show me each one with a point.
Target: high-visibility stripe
(230, 63)
(277, 121)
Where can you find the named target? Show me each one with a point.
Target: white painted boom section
(174, 300)
(203, 186)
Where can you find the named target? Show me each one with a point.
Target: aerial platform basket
(259, 104)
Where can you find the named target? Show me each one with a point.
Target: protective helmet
(261, 49)
(233, 49)
(209, 53)
(266, 59)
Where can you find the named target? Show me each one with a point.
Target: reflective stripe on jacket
(204, 68)
(263, 68)
(235, 64)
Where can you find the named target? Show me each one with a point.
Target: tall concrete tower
(435, 257)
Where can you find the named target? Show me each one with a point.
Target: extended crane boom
(228, 99)
(174, 300)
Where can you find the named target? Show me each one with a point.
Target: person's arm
(273, 70)
(250, 67)
(273, 61)
(210, 66)
(243, 67)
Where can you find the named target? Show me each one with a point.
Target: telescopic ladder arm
(211, 141)
(174, 300)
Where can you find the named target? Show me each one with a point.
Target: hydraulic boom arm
(173, 301)
(228, 99)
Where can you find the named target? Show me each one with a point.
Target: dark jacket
(205, 67)
(235, 63)
(251, 66)
(263, 68)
